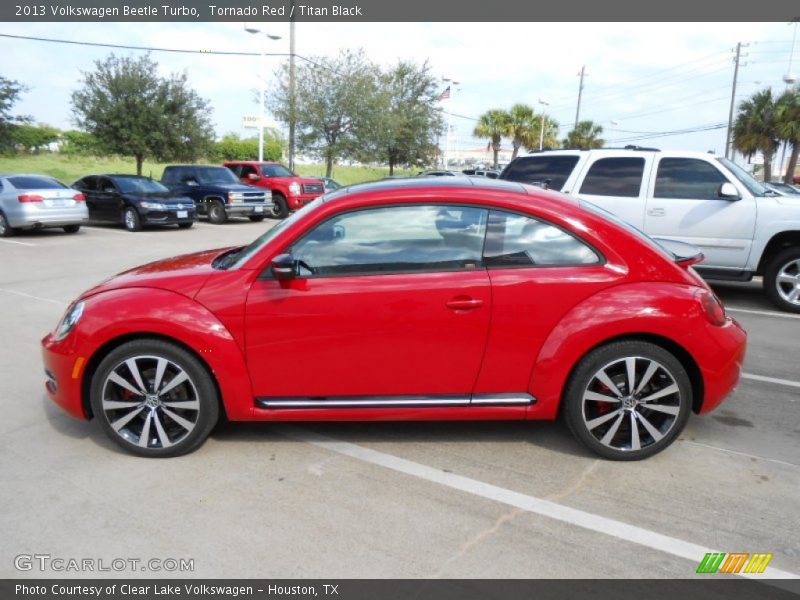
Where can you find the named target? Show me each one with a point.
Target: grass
(71, 168)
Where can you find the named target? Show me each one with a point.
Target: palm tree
(492, 124)
(756, 130)
(550, 137)
(586, 135)
(787, 115)
(522, 128)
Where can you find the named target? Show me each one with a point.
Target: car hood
(301, 180)
(184, 274)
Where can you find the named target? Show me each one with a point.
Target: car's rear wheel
(216, 212)
(72, 228)
(280, 207)
(256, 218)
(628, 400)
(782, 280)
(5, 229)
(154, 398)
(131, 219)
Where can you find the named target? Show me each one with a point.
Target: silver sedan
(36, 201)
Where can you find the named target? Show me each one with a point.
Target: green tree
(522, 128)
(787, 114)
(79, 143)
(336, 100)
(492, 125)
(134, 112)
(550, 137)
(585, 136)
(10, 91)
(32, 138)
(405, 121)
(233, 147)
(755, 128)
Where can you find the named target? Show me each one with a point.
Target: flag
(444, 95)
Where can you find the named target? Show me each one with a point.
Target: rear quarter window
(541, 168)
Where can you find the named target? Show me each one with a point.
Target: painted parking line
(765, 313)
(16, 242)
(738, 453)
(552, 510)
(775, 380)
(32, 297)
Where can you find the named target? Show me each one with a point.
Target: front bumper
(169, 217)
(300, 201)
(64, 365)
(249, 208)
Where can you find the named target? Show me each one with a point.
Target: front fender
(139, 312)
(667, 310)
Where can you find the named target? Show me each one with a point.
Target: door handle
(656, 212)
(464, 303)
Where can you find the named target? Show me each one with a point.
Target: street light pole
(292, 116)
(453, 83)
(580, 94)
(543, 123)
(261, 89)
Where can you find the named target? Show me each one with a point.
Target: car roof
(632, 150)
(27, 175)
(416, 183)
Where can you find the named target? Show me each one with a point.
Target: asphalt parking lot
(401, 500)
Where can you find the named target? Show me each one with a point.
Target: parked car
(436, 173)
(742, 229)
(217, 192)
(490, 173)
(134, 201)
(37, 201)
(330, 184)
(504, 301)
(289, 190)
(782, 189)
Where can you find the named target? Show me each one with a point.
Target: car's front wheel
(280, 207)
(216, 212)
(782, 280)
(72, 228)
(5, 229)
(154, 398)
(628, 400)
(131, 219)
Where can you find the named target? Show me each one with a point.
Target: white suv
(742, 228)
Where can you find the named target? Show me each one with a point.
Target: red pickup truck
(289, 190)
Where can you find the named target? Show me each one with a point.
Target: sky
(643, 79)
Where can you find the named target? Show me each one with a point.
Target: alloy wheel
(150, 402)
(787, 282)
(631, 404)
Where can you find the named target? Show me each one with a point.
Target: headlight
(68, 321)
(235, 196)
(153, 205)
(294, 188)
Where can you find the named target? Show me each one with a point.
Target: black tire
(176, 421)
(5, 229)
(256, 218)
(280, 207)
(216, 212)
(71, 228)
(131, 219)
(607, 427)
(784, 293)
(185, 225)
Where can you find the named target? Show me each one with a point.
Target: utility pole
(736, 61)
(580, 93)
(291, 89)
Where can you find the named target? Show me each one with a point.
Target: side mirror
(283, 267)
(728, 191)
(253, 177)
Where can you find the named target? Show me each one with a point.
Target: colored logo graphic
(741, 562)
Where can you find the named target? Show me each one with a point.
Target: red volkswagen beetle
(464, 299)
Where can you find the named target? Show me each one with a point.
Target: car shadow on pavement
(551, 436)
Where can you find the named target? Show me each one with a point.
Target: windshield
(257, 244)
(628, 227)
(211, 175)
(136, 185)
(270, 170)
(749, 182)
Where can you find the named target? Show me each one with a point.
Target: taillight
(712, 307)
(79, 198)
(29, 198)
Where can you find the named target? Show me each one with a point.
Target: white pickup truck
(742, 228)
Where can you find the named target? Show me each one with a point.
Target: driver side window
(394, 239)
